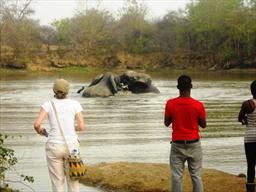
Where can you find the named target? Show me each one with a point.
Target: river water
(126, 127)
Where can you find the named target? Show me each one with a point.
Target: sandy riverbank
(147, 177)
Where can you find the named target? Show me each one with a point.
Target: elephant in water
(108, 84)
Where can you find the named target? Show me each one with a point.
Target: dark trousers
(250, 152)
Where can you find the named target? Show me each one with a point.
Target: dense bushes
(219, 30)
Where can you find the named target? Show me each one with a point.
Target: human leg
(250, 187)
(73, 185)
(195, 166)
(54, 155)
(250, 152)
(177, 160)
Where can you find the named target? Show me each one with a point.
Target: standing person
(185, 114)
(71, 119)
(247, 116)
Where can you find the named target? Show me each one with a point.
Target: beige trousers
(55, 155)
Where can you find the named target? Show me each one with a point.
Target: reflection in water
(125, 127)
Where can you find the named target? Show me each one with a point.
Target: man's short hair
(253, 88)
(184, 83)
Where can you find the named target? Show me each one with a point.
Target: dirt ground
(147, 177)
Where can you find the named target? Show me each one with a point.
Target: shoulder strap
(59, 125)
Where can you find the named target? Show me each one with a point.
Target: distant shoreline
(79, 69)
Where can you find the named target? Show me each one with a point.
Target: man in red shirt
(185, 114)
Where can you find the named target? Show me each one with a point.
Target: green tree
(209, 18)
(92, 31)
(171, 31)
(211, 21)
(48, 36)
(17, 30)
(133, 28)
(62, 28)
(244, 27)
(23, 37)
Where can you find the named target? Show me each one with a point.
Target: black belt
(185, 141)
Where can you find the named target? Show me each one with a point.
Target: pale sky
(48, 10)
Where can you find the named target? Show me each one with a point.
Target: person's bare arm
(202, 118)
(167, 121)
(79, 122)
(241, 114)
(167, 116)
(202, 123)
(246, 108)
(37, 125)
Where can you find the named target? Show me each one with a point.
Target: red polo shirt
(184, 112)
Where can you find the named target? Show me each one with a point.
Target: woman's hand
(37, 125)
(43, 132)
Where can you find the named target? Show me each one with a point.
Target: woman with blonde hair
(69, 112)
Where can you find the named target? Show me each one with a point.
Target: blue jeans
(192, 153)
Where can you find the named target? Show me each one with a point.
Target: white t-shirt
(66, 109)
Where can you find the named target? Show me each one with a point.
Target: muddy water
(125, 127)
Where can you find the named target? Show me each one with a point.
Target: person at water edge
(71, 120)
(247, 116)
(185, 114)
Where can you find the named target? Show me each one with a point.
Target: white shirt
(67, 110)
